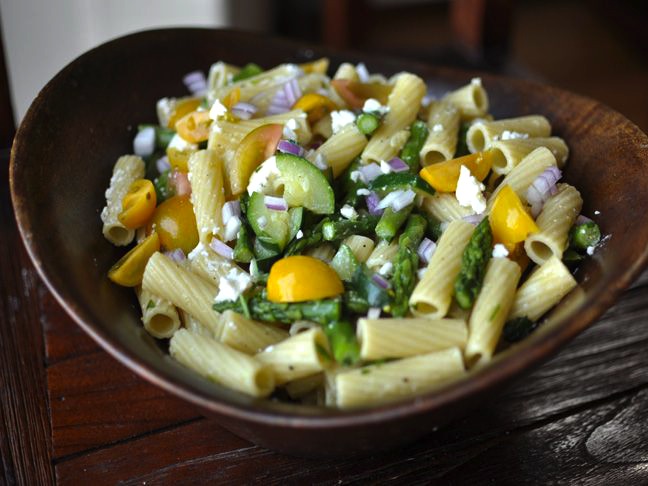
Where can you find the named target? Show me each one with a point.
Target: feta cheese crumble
(469, 191)
(372, 105)
(232, 285)
(363, 191)
(437, 127)
(299, 235)
(265, 177)
(355, 175)
(289, 129)
(340, 119)
(500, 251)
(232, 228)
(386, 269)
(179, 143)
(385, 168)
(217, 110)
(348, 212)
(590, 250)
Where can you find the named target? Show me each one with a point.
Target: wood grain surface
(72, 414)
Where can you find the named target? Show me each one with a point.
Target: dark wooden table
(72, 414)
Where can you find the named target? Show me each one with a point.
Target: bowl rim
(538, 348)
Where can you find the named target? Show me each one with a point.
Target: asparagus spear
(314, 238)
(414, 144)
(367, 123)
(391, 221)
(355, 302)
(406, 263)
(260, 308)
(433, 229)
(343, 341)
(473, 265)
(583, 236)
(345, 263)
(347, 187)
(340, 229)
(247, 71)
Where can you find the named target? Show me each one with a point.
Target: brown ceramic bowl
(83, 120)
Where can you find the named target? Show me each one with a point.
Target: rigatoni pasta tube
(342, 147)
(184, 289)
(207, 194)
(127, 170)
(212, 267)
(471, 99)
(443, 125)
(360, 246)
(248, 336)
(159, 316)
(554, 222)
(506, 154)
(303, 354)
(480, 135)
(445, 207)
(544, 288)
(375, 384)
(400, 338)
(491, 308)
(403, 103)
(383, 252)
(433, 294)
(221, 364)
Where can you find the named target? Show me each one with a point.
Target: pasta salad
(341, 241)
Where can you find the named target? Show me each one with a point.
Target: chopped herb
(150, 305)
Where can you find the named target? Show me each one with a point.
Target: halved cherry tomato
(175, 223)
(356, 93)
(317, 106)
(181, 108)
(443, 176)
(138, 204)
(179, 159)
(129, 270)
(509, 219)
(231, 98)
(194, 126)
(299, 278)
(256, 147)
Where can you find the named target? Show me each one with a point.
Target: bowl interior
(86, 117)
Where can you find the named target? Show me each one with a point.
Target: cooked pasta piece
(383, 252)
(248, 336)
(544, 288)
(361, 246)
(445, 207)
(183, 289)
(400, 338)
(403, 104)
(471, 100)
(346, 71)
(324, 252)
(221, 364)
(127, 170)
(443, 125)
(192, 324)
(491, 308)
(303, 354)
(381, 383)
(433, 294)
(509, 153)
(207, 194)
(554, 222)
(220, 74)
(323, 127)
(303, 386)
(159, 316)
(480, 135)
(341, 148)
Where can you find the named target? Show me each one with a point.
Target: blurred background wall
(593, 47)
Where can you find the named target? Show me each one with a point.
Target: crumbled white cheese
(476, 81)
(363, 72)
(217, 110)
(355, 175)
(179, 143)
(320, 162)
(232, 285)
(262, 221)
(289, 129)
(363, 191)
(265, 178)
(437, 127)
(385, 168)
(348, 212)
(469, 191)
(164, 107)
(590, 250)
(340, 119)
(372, 105)
(420, 272)
(597, 212)
(511, 135)
(299, 235)
(232, 228)
(198, 250)
(500, 251)
(386, 269)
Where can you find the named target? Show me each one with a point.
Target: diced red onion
(285, 97)
(232, 228)
(369, 172)
(275, 203)
(230, 209)
(221, 248)
(398, 165)
(362, 72)
(192, 77)
(426, 249)
(144, 142)
(582, 220)
(195, 82)
(176, 255)
(542, 188)
(290, 148)
(181, 183)
(373, 201)
(405, 199)
(474, 219)
(380, 281)
(373, 313)
(162, 164)
(243, 110)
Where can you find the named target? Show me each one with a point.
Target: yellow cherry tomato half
(316, 106)
(181, 108)
(138, 204)
(319, 66)
(443, 176)
(256, 147)
(355, 93)
(129, 270)
(179, 159)
(194, 126)
(509, 219)
(299, 278)
(175, 223)
(231, 98)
